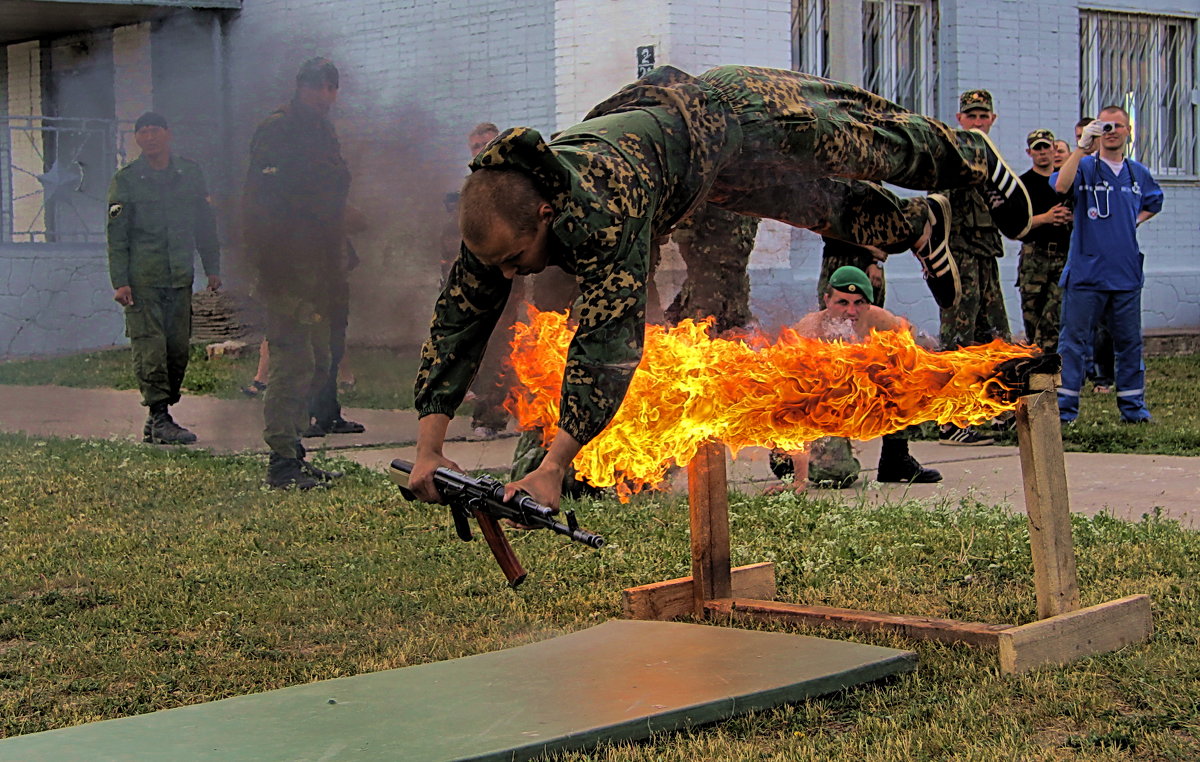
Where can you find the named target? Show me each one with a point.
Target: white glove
(1093, 130)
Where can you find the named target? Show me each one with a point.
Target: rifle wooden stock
(483, 498)
(501, 549)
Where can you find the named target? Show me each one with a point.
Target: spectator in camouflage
(1044, 248)
(761, 142)
(976, 245)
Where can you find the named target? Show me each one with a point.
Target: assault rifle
(482, 497)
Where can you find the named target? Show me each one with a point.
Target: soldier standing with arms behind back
(976, 246)
(294, 220)
(158, 218)
(1044, 247)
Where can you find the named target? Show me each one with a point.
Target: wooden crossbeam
(919, 627)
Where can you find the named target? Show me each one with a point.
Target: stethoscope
(1096, 195)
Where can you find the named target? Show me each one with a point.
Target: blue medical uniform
(1103, 276)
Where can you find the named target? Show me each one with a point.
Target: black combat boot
(288, 473)
(896, 464)
(317, 472)
(161, 429)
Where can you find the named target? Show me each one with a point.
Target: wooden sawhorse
(1063, 632)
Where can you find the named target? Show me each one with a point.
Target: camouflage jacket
(627, 174)
(972, 231)
(293, 208)
(157, 221)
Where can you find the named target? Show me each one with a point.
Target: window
(898, 52)
(810, 36)
(1147, 65)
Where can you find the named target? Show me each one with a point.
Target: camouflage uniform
(715, 246)
(761, 142)
(295, 202)
(1040, 268)
(976, 246)
(1043, 257)
(157, 221)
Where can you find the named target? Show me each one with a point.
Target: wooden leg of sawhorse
(1046, 503)
(708, 496)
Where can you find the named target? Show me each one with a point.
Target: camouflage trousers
(831, 463)
(813, 152)
(980, 315)
(299, 368)
(715, 246)
(159, 327)
(1041, 297)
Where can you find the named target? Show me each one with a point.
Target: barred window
(899, 48)
(810, 36)
(1147, 65)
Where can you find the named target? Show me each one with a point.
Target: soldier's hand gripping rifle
(482, 497)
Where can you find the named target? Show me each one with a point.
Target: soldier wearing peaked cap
(979, 316)
(159, 217)
(767, 143)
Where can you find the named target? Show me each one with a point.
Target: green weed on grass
(138, 579)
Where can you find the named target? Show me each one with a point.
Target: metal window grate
(899, 48)
(1147, 65)
(810, 36)
(55, 177)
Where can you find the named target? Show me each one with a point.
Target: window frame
(1171, 108)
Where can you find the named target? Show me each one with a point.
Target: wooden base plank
(1064, 638)
(674, 597)
(923, 628)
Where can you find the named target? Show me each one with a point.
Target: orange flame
(748, 391)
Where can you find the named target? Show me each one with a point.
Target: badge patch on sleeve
(114, 211)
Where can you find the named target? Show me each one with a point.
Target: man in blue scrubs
(1103, 277)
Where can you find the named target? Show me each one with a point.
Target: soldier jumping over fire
(766, 143)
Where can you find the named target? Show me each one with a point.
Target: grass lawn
(383, 377)
(137, 579)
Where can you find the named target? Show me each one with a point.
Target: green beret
(851, 280)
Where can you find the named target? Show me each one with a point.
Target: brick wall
(56, 298)
(1027, 55)
(417, 74)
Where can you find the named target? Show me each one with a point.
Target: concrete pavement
(1128, 486)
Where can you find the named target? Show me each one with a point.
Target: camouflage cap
(1040, 137)
(975, 99)
(851, 280)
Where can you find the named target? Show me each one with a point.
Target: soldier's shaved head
(497, 194)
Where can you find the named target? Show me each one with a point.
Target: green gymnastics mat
(620, 680)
